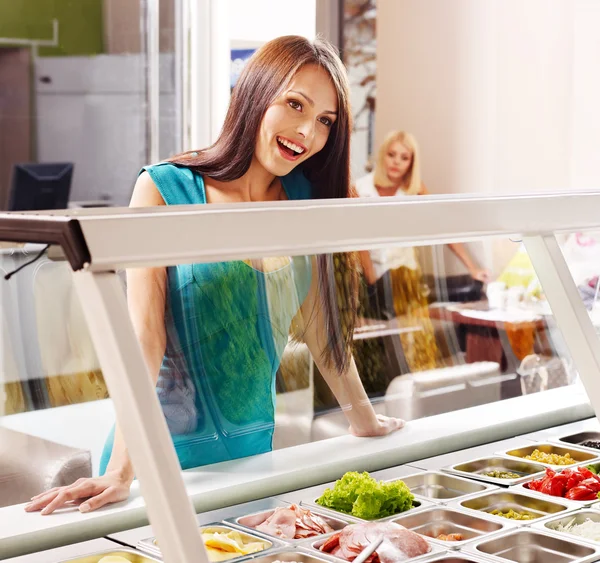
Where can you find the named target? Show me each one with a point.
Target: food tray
(293, 555)
(444, 520)
(579, 503)
(455, 557)
(438, 487)
(313, 546)
(580, 517)
(130, 554)
(418, 504)
(581, 456)
(149, 545)
(475, 468)
(504, 500)
(579, 438)
(245, 522)
(534, 546)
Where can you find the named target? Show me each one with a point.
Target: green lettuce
(362, 496)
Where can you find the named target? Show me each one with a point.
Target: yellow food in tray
(228, 545)
(551, 459)
(223, 544)
(114, 559)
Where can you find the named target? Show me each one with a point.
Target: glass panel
(247, 351)
(53, 398)
(253, 350)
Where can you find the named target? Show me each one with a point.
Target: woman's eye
(295, 105)
(326, 121)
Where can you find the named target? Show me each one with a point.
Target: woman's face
(297, 124)
(397, 161)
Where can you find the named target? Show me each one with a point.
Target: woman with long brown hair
(213, 334)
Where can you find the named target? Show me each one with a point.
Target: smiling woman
(213, 335)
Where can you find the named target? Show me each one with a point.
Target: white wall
(502, 94)
(585, 156)
(263, 20)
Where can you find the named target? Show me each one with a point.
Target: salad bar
(535, 503)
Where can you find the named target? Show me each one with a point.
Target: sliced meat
(331, 543)
(281, 524)
(399, 544)
(254, 520)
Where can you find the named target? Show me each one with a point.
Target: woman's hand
(111, 487)
(385, 425)
(481, 275)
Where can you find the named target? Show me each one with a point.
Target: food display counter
(439, 456)
(451, 507)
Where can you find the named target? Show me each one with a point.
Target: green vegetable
(513, 515)
(593, 469)
(502, 474)
(362, 496)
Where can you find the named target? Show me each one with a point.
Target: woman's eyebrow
(311, 102)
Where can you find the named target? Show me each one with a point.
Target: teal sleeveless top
(227, 325)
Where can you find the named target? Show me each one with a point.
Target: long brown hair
(263, 79)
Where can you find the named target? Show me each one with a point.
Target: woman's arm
(367, 266)
(347, 387)
(460, 251)
(146, 294)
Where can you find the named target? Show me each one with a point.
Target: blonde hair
(413, 175)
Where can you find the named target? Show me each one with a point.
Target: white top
(385, 259)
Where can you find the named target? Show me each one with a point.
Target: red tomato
(581, 493)
(591, 484)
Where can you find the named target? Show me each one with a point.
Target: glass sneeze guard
(97, 244)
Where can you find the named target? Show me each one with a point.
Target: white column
(209, 70)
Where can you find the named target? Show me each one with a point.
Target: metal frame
(140, 417)
(308, 227)
(159, 237)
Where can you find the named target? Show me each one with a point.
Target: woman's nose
(305, 128)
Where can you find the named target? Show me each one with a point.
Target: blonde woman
(393, 274)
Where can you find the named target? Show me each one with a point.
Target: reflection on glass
(50, 359)
(242, 370)
(52, 393)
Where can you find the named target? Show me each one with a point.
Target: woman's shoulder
(178, 185)
(365, 186)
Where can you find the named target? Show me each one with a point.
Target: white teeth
(290, 145)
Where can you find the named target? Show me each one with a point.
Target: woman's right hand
(99, 491)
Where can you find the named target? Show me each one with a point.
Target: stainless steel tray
(581, 456)
(149, 545)
(455, 557)
(432, 522)
(314, 545)
(418, 504)
(249, 521)
(534, 546)
(476, 468)
(294, 555)
(441, 488)
(524, 489)
(130, 554)
(505, 500)
(579, 517)
(579, 438)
